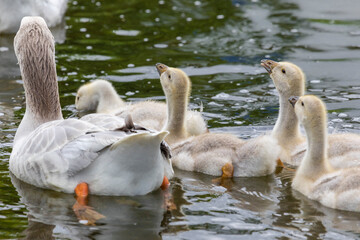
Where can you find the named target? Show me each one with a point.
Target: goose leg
(165, 184)
(82, 211)
(225, 180)
(82, 190)
(280, 166)
(169, 204)
(228, 170)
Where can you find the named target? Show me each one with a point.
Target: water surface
(219, 44)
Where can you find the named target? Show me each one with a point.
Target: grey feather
(68, 146)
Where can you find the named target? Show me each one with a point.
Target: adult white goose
(211, 153)
(316, 178)
(12, 11)
(102, 152)
(100, 96)
(289, 80)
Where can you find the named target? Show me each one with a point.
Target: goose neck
(41, 88)
(315, 161)
(176, 105)
(108, 100)
(286, 128)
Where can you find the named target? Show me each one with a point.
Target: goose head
(173, 81)
(34, 34)
(288, 78)
(87, 97)
(310, 111)
(99, 96)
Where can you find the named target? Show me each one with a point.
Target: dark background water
(219, 44)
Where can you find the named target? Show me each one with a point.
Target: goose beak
(161, 68)
(269, 65)
(293, 100)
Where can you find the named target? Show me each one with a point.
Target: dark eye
(283, 71)
(169, 77)
(78, 98)
(302, 103)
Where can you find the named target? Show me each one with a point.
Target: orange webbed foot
(82, 211)
(169, 204)
(228, 170)
(82, 190)
(225, 179)
(165, 184)
(280, 166)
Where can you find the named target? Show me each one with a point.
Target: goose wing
(106, 121)
(66, 146)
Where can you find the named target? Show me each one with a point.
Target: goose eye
(78, 98)
(283, 71)
(169, 77)
(302, 103)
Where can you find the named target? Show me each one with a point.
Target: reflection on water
(50, 213)
(219, 46)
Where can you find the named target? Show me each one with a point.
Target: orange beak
(269, 65)
(161, 68)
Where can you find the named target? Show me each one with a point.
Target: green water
(220, 45)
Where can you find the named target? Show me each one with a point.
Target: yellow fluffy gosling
(315, 177)
(289, 80)
(211, 153)
(101, 97)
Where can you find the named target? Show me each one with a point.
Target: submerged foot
(225, 179)
(280, 166)
(228, 170)
(83, 212)
(165, 184)
(169, 203)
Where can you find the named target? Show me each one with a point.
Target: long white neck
(315, 162)
(109, 100)
(38, 71)
(177, 106)
(286, 129)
